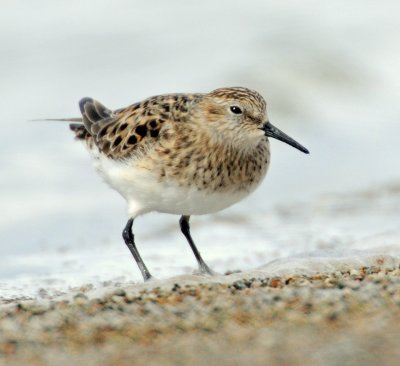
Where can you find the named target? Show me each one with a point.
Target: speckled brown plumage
(185, 154)
(125, 131)
(165, 129)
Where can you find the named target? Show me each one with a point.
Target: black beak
(272, 131)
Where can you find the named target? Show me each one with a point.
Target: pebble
(239, 285)
(119, 292)
(80, 299)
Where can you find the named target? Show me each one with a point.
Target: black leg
(130, 242)
(185, 228)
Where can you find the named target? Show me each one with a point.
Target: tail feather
(72, 119)
(81, 133)
(92, 112)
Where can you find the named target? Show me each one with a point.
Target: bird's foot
(149, 278)
(205, 270)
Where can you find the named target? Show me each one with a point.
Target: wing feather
(123, 132)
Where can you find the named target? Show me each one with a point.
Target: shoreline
(339, 303)
(280, 319)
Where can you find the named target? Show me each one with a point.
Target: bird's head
(240, 114)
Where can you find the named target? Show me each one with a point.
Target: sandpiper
(184, 154)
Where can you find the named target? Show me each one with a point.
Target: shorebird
(184, 154)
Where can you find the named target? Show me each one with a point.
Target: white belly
(144, 192)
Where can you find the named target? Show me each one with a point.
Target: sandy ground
(323, 308)
(343, 318)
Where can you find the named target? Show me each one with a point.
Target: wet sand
(347, 317)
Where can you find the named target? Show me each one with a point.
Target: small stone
(80, 299)
(378, 277)
(86, 288)
(275, 282)
(333, 315)
(231, 271)
(373, 269)
(341, 284)
(396, 272)
(353, 284)
(331, 282)
(117, 299)
(33, 308)
(119, 292)
(239, 285)
(130, 297)
(354, 273)
(302, 282)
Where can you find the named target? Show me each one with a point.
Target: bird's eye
(236, 110)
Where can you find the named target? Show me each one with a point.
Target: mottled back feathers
(135, 129)
(119, 133)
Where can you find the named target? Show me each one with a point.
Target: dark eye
(236, 110)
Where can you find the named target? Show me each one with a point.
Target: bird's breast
(186, 182)
(214, 169)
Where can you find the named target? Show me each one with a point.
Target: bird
(184, 154)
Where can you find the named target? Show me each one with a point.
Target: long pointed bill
(272, 131)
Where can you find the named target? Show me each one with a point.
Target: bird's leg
(185, 228)
(130, 243)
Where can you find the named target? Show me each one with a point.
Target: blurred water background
(329, 72)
